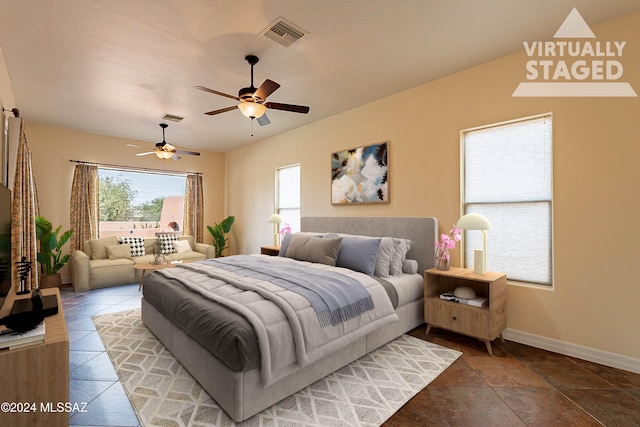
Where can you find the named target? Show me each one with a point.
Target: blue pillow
(358, 254)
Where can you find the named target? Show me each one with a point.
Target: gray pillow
(358, 254)
(410, 266)
(314, 249)
(384, 257)
(119, 251)
(402, 246)
(284, 245)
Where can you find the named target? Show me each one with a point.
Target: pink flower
(286, 229)
(449, 241)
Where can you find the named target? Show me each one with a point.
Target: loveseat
(108, 261)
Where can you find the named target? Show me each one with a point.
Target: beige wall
(596, 180)
(52, 148)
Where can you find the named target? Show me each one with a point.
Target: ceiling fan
(252, 101)
(164, 150)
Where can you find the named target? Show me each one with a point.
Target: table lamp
(275, 219)
(475, 221)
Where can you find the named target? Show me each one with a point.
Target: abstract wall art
(360, 175)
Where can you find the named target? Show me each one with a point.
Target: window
(288, 195)
(140, 203)
(507, 177)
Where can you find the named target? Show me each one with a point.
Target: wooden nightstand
(270, 250)
(485, 323)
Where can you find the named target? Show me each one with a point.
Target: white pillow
(181, 246)
(402, 246)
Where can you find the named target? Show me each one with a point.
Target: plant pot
(50, 281)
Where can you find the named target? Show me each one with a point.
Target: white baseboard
(606, 358)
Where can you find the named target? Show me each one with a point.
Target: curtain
(24, 209)
(85, 206)
(194, 208)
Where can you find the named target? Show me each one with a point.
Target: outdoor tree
(116, 196)
(150, 211)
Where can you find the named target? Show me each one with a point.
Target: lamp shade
(165, 155)
(252, 109)
(473, 221)
(275, 219)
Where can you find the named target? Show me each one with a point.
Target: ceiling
(115, 67)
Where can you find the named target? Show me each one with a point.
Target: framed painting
(360, 175)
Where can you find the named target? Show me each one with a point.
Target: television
(5, 243)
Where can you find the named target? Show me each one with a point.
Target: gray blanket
(287, 327)
(334, 297)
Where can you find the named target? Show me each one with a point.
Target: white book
(16, 340)
(479, 302)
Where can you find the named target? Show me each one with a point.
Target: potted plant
(50, 253)
(218, 231)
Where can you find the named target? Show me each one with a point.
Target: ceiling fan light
(165, 155)
(252, 109)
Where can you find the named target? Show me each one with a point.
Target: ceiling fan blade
(176, 157)
(137, 146)
(188, 153)
(287, 107)
(215, 92)
(146, 154)
(265, 89)
(263, 120)
(222, 110)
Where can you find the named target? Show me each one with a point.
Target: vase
(443, 260)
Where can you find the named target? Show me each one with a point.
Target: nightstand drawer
(457, 317)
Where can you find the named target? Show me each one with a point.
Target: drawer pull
(455, 318)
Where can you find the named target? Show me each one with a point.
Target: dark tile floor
(520, 386)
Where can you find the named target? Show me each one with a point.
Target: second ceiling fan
(252, 101)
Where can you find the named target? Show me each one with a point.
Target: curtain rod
(135, 168)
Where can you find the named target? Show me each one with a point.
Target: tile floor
(520, 386)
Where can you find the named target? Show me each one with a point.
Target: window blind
(508, 178)
(288, 195)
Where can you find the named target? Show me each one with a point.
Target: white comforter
(287, 327)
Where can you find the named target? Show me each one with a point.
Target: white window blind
(507, 177)
(288, 195)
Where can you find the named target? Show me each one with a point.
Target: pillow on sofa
(166, 243)
(135, 242)
(99, 246)
(119, 251)
(182, 246)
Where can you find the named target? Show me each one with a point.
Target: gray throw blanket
(334, 297)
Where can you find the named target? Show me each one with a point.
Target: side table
(270, 250)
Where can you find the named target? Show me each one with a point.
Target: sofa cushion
(99, 246)
(120, 251)
(186, 256)
(182, 246)
(136, 243)
(166, 243)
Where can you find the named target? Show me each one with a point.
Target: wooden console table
(37, 374)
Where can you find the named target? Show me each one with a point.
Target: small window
(507, 177)
(288, 196)
(140, 203)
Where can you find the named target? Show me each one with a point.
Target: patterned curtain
(85, 206)
(24, 209)
(194, 208)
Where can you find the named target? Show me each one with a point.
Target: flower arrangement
(447, 241)
(286, 229)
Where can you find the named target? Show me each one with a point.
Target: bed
(214, 325)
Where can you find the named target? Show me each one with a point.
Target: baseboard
(606, 358)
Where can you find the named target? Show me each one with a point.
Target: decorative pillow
(182, 246)
(384, 256)
(136, 243)
(284, 245)
(402, 246)
(99, 246)
(358, 254)
(410, 266)
(166, 243)
(119, 251)
(314, 249)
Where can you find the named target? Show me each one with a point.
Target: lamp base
(479, 266)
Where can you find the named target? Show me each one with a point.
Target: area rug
(364, 393)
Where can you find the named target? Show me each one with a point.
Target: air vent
(172, 118)
(283, 32)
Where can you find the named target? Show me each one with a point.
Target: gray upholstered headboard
(422, 232)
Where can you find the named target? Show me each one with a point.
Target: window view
(288, 196)
(140, 203)
(507, 177)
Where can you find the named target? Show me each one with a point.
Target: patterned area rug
(364, 393)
